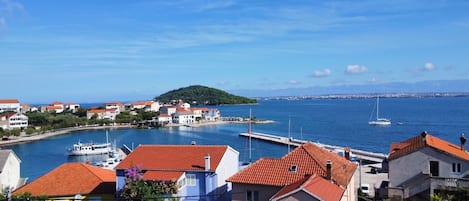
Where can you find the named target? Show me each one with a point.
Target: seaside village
(422, 167)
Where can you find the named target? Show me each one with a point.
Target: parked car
(365, 188)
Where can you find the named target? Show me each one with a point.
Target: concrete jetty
(364, 156)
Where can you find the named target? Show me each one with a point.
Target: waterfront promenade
(364, 156)
(40, 136)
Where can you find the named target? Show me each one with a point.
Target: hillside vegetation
(202, 95)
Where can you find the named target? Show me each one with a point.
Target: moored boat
(80, 149)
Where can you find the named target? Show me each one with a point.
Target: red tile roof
(51, 107)
(162, 175)
(164, 115)
(57, 103)
(313, 185)
(97, 111)
(308, 158)
(8, 114)
(425, 140)
(70, 179)
(8, 101)
(174, 157)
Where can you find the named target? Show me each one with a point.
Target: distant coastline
(370, 95)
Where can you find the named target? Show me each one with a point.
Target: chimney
(424, 135)
(329, 170)
(347, 153)
(207, 162)
(463, 142)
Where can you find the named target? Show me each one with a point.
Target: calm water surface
(341, 122)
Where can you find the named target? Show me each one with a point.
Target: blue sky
(88, 51)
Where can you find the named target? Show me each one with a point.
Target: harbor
(366, 157)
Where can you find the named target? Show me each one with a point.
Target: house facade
(73, 107)
(115, 105)
(57, 107)
(426, 165)
(13, 120)
(199, 170)
(10, 105)
(72, 180)
(148, 106)
(184, 117)
(308, 172)
(109, 114)
(9, 170)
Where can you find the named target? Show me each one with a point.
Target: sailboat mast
(249, 131)
(288, 135)
(377, 107)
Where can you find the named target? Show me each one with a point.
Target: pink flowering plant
(136, 188)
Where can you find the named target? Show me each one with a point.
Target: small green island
(202, 95)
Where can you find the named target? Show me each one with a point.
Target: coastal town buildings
(109, 114)
(148, 106)
(72, 107)
(72, 181)
(55, 107)
(308, 172)
(199, 170)
(10, 105)
(425, 165)
(13, 120)
(115, 105)
(9, 170)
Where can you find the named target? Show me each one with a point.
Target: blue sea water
(342, 122)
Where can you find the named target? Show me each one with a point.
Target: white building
(73, 107)
(13, 120)
(148, 106)
(184, 117)
(10, 105)
(9, 169)
(425, 165)
(211, 114)
(57, 107)
(164, 119)
(109, 114)
(115, 105)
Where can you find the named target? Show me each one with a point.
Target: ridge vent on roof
(293, 168)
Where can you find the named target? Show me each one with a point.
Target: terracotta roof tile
(425, 140)
(97, 111)
(162, 175)
(174, 157)
(8, 101)
(70, 179)
(309, 159)
(316, 185)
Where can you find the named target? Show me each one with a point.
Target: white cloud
(356, 69)
(293, 82)
(428, 67)
(373, 80)
(322, 73)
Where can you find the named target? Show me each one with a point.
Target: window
(191, 181)
(434, 168)
(456, 167)
(252, 195)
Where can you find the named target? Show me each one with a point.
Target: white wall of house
(405, 167)
(183, 118)
(212, 114)
(18, 121)
(350, 191)
(13, 107)
(10, 174)
(228, 166)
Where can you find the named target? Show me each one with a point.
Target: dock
(363, 156)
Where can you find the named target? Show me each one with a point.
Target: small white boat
(80, 149)
(110, 163)
(379, 121)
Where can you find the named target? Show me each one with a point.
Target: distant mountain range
(437, 86)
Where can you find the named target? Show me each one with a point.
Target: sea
(342, 122)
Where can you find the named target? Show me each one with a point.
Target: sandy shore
(40, 136)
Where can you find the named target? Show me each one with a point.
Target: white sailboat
(379, 121)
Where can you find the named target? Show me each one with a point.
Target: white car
(365, 189)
